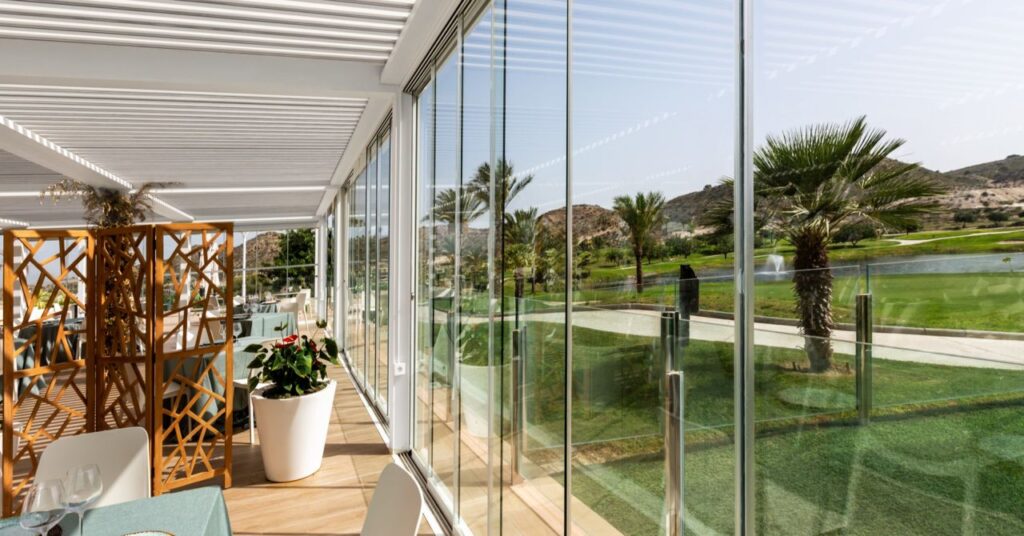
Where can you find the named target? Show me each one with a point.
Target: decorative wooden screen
(160, 356)
(192, 435)
(47, 342)
(124, 332)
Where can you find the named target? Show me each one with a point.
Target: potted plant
(292, 398)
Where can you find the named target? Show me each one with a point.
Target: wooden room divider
(115, 328)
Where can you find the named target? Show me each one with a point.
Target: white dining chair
(242, 384)
(302, 304)
(122, 456)
(397, 505)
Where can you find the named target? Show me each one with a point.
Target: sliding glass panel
(889, 351)
(653, 132)
(383, 270)
(357, 277)
(478, 375)
(530, 184)
(426, 329)
(371, 271)
(447, 213)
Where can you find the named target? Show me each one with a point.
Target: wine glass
(82, 487)
(43, 507)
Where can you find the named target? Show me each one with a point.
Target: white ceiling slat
(363, 31)
(196, 125)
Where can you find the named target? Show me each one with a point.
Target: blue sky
(653, 85)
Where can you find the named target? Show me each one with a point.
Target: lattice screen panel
(159, 356)
(46, 383)
(192, 433)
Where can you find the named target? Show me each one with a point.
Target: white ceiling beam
(27, 145)
(51, 63)
(376, 109)
(327, 200)
(425, 22)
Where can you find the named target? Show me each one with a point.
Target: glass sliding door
(891, 402)
(383, 268)
(530, 185)
(368, 236)
(355, 341)
(554, 282)
(425, 329)
(653, 129)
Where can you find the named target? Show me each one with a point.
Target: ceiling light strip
(62, 151)
(248, 190)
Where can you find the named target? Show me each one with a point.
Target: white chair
(122, 456)
(396, 507)
(243, 385)
(302, 302)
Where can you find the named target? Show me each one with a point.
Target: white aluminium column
(321, 269)
(402, 300)
(339, 267)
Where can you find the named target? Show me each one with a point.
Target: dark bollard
(863, 357)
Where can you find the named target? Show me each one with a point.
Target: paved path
(906, 242)
(954, 351)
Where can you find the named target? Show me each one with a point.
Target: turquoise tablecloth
(197, 512)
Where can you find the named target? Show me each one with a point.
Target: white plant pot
(293, 432)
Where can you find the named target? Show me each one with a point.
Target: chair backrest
(302, 298)
(288, 305)
(122, 456)
(396, 507)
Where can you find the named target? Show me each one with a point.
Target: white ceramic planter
(293, 432)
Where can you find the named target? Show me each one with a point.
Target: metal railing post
(674, 451)
(863, 357)
(518, 422)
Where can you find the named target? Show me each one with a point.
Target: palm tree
(509, 185)
(643, 216)
(520, 230)
(445, 203)
(812, 182)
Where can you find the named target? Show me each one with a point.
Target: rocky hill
(261, 250)
(1006, 172)
(588, 222)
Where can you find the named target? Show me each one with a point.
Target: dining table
(194, 512)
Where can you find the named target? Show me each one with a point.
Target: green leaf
(254, 347)
(331, 347)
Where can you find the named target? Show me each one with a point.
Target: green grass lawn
(814, 464)
(978, 301)
(987, 241)
(953, 474)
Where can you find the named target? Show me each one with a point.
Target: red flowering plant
(295, 365)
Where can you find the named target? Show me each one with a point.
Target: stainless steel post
(517, 406)
(863, 357)
(674, 466)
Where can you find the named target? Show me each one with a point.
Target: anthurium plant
(294, 365)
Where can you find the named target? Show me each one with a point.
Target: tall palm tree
(509, 185)
(812, 182)
(446, 201)
(643, 215)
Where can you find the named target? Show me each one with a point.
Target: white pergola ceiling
(357, 30)
(196, 139)
(256, 95)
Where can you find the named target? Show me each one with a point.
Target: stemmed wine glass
(43, 507)
(82, 487)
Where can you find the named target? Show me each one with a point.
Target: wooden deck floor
(332, 501)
